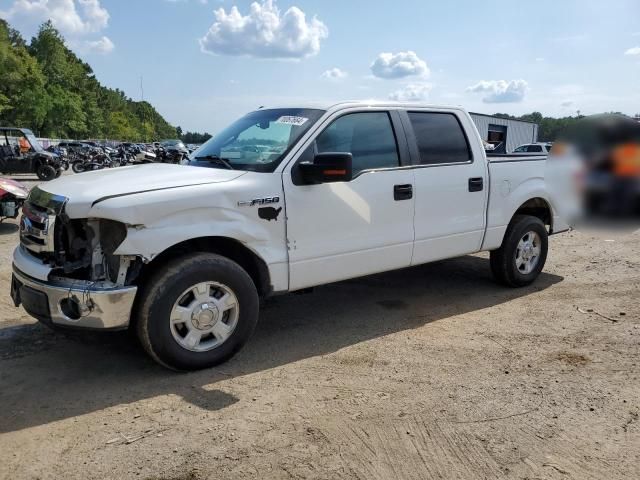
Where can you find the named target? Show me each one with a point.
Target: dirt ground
(432, 372)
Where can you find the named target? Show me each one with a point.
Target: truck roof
(333, 106)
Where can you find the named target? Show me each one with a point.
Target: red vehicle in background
(12, 196)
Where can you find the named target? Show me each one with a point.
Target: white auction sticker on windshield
(291, 120)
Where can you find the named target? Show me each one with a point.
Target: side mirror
(328, 167)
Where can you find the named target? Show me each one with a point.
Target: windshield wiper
(216, 159)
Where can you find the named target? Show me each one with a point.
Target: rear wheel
(46, 172)
(523, 253)
(198, 312)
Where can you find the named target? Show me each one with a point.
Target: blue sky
(202, 69)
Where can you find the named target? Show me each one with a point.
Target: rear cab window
(440, 138)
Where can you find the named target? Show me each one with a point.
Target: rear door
(450, 184)
(343, 230)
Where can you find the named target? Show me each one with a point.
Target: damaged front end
(66, 271)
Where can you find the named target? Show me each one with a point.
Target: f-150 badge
(259, 201)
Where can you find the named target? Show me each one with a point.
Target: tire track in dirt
(412, 448)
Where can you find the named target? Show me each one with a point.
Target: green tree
(46, 87)
(23, 100)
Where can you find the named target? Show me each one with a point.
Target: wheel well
(227, 247)
(537, 207)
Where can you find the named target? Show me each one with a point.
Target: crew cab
(282, 200)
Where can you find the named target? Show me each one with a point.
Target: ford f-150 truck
(282, 200)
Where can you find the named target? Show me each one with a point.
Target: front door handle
(475, 184)
(403, 192)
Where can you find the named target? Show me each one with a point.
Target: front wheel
(78, 167)
(523, 253)
(197, 312)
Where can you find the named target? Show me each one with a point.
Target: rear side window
(440, 138)
(534, 148)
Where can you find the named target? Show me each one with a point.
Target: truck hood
(85, 189)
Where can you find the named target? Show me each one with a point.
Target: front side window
(520, 149)
(534, 148)
(258, 141)
(368, 136)
(440, 138)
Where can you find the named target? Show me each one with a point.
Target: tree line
(549, 128)
(45, 87)
(192, 137)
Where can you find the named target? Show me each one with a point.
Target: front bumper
(73, 303)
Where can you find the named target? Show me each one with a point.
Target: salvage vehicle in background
(21, 152)
(608, 145)
(282, 200)
(538, 148)
(174, 151)
(12, 196)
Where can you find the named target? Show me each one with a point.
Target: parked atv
(20, 152)
(12, 196)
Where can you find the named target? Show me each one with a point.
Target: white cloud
(413, 92)
(500, 91)
(634, 51)
(399, 65)
(74, 17)
(334, 74)
(103, 46)
(264, 33)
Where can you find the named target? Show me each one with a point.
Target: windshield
(33, 140)
(258, 141)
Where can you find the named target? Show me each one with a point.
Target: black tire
(503, 260)
(46, 172)
(58, 173)
(78, 167)
(164, 288)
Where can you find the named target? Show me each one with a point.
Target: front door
(342, 230)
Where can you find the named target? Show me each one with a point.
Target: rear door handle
(403, 192)
(475, 184)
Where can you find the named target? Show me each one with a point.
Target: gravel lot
(429, 372)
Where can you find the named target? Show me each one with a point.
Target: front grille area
(36, 229)
(37, 224)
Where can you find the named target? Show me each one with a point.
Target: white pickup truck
(284, 199)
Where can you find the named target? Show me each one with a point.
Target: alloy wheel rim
(204, 316)
(528, 251)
